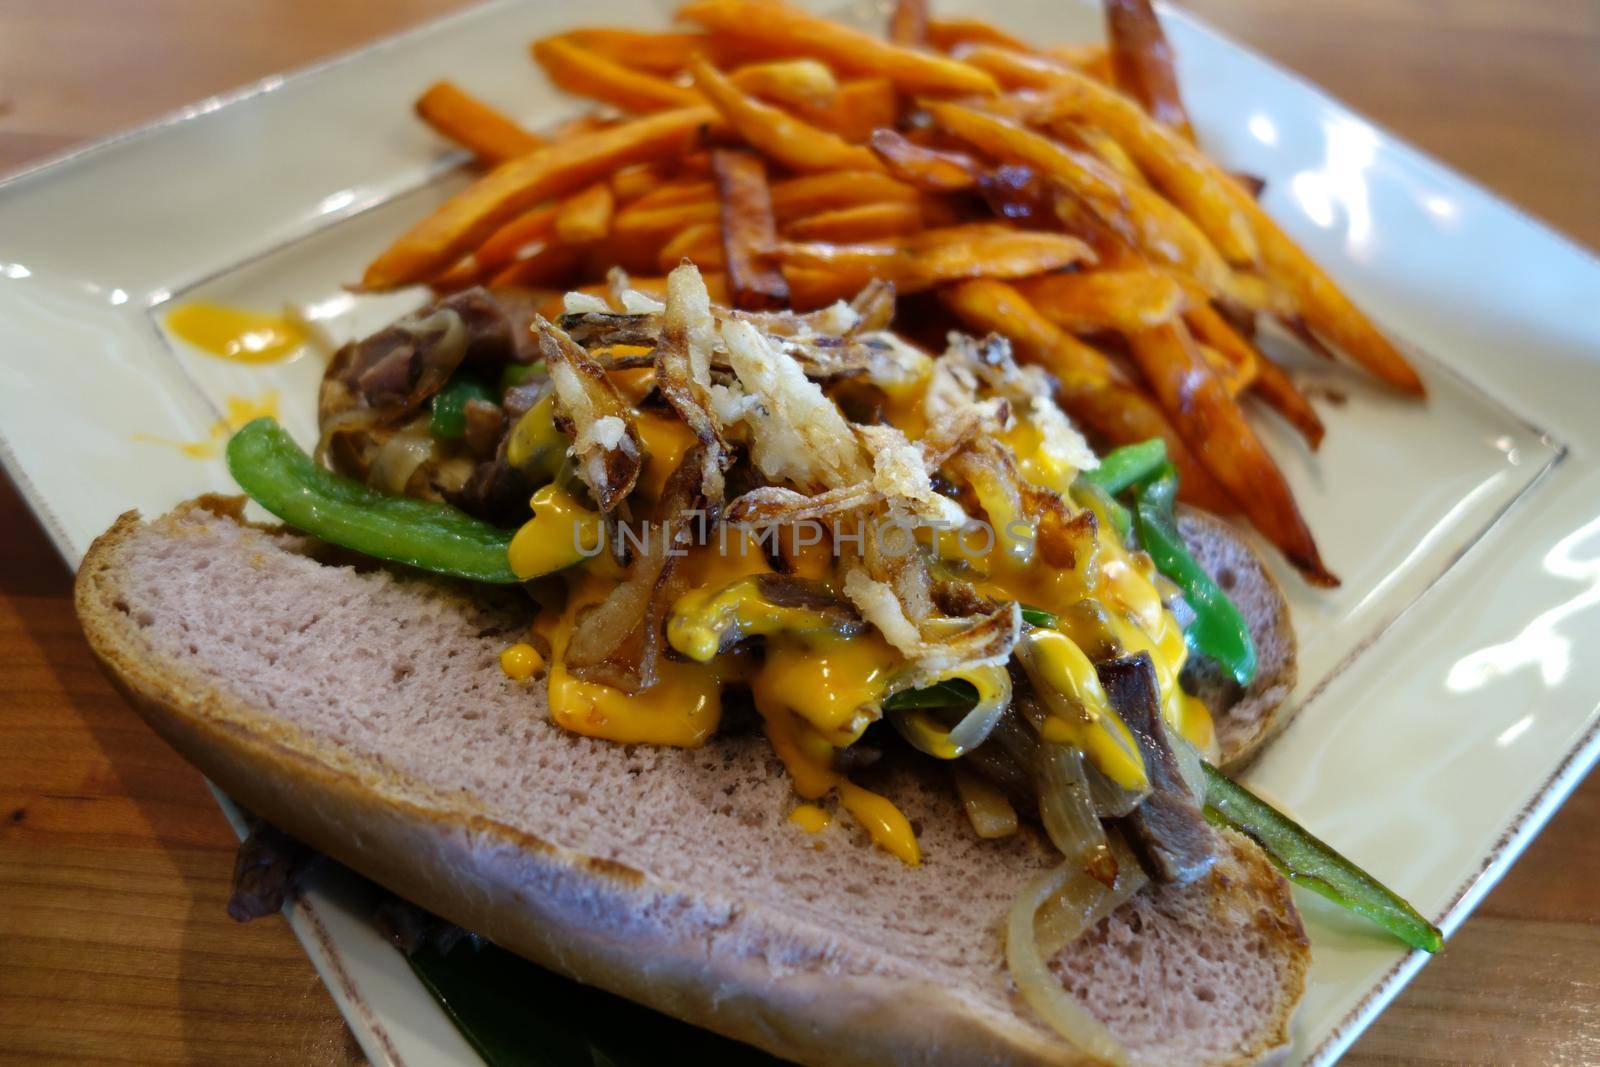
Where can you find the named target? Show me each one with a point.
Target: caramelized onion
(400, 457)
(1038, 984)
(987, 808)
(1082, 902)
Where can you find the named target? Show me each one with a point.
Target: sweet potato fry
(630, 183)
(701, 244)
(1142, 62)
(546, 265)
(1279, 391)
(1185, 176)
(927, 168)
(783, 31)
(1014, 68)
(639, 221)
(811, 289)
(948, 34)
(864, 222)
(473, 124)
(509, 241)
(1103, 146)
(1137, 214)
(798, 197)
(1091, 387)
(466, 219)
(908, 23)
(1092, 59)
(674, 193)
(1233, 358)
(793, 82)
(591, 74)
(792, 142)
(655, 53)
(748, 231)
(1106, 300)
(1235, 378)
(858, 108)
(585, 216)
(1200, 186)
(926, 259)
(987, 305)
(1215, 428)
(464, 274)
(1266, 377)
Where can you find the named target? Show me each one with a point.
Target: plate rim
(322, 949)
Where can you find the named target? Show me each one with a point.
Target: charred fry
(748, 232)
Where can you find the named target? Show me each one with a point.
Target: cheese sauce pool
(235, 333)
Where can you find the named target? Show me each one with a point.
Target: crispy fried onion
(591, 411)
(900, 482)
(878, 356)
(940, 645)
(797, 434)
(1025, 517)
(618, 641)
(683, 373)
(1026, 387)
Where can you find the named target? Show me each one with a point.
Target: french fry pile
(1051, 195)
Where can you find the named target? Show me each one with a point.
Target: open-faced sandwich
(829, 694)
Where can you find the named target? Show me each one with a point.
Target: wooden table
(114, 862)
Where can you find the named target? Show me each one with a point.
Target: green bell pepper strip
(952, 694)
(280, 477)
(517, 374)
(449, 419)
(1123, 468)
(1038, 617)
(1218, 629)
(1309, 862)
(1090, 495)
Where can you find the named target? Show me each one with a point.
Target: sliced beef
(268, 869)
(1167, 829)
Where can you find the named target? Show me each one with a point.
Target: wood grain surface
(114, 861)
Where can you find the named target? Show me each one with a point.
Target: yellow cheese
(521, 661)
(665, 440)
(807, 756)
(561, 532)
(236, 334)
(681, 710)
(835, 684)
(810, 818)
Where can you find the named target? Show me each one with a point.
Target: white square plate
(1443, 715)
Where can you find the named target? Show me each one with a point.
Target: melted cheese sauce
(681, 710)
(816, 691)
(521, 661)
(808, 757)
(835, 684)
(810, 818)
(236, 334)
(665, 441)
(240, 410)
(562, 532)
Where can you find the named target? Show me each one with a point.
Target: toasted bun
(1245, 717)
(364, 712)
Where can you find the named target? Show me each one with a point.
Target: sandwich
(761, 667)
